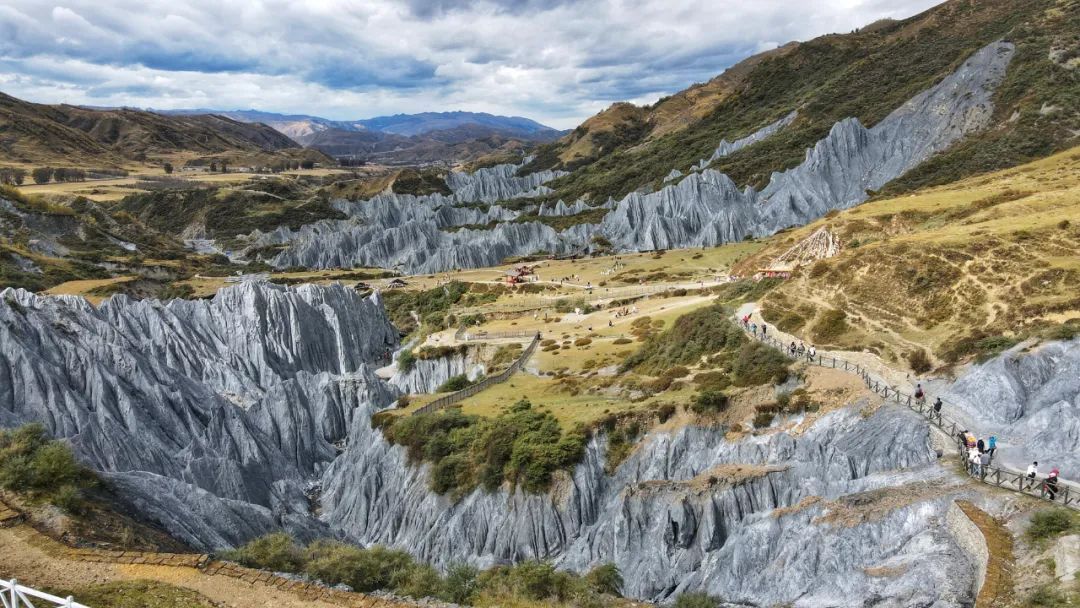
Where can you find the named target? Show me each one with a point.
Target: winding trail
(877, 378)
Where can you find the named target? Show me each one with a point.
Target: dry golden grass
(996, 253)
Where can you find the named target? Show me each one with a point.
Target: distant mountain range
(401, 138)
(302, 126)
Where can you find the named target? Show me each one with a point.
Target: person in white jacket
(1032, 474)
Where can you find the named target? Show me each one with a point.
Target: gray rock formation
(707, 208)
(229, 418)
(727, 148)
(700, 209)
(427, 375)
(1030, 401)
(213, 417)
(500, 182)
(669, 530)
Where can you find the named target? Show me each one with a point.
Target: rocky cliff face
(427, 375)
(212, 416)
(675, 517)
(702, 208)
(1030, 401)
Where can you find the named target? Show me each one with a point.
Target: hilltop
(35, 134)
(863, 74)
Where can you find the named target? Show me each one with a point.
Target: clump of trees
(44, 175)
(12, 176)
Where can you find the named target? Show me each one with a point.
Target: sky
(555, 61)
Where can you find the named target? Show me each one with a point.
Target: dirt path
(40, 562)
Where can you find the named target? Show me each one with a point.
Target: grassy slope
(991, 255)
(865, 74)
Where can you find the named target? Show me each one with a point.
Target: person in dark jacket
(979, 444)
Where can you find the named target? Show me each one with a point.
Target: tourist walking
(984, 464)
(753, 329)
(991, 446)
(937, 409)
(982, 446)
(1032, 473)
(920, 395)
(1050, 486)
(811, 354)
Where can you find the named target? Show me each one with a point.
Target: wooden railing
(479, 336)
(469, 391)
(14, 595)
(995, 476)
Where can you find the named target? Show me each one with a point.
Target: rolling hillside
(38, 133)
(864, 74)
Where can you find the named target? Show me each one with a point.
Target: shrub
(919, 361)
(831, 325)
(521, 446)
(717, 381)
(622, 341)
(42, 468)
(690, 337)
(757, 364)
(679, 371)
(605, 579)
(709, 401)
(665, 411)
(763, 419)
(275, 552)
(1050, 523)
(582, 342)
(461, 585)
(406, 361)
(362, 569)
(696, 600)
(454, 383)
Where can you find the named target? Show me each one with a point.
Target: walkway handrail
(469, 336)
(14, 595)
(1002, 478)
(469, 391)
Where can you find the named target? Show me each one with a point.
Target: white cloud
(557, 62)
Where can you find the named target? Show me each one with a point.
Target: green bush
(454, 383)
(757, 364)
(362, 569)
(763, 419)
(275, 552)
(42, 468)
(1051, 523)
(406, 361)
(709, 401)
(461, 584)
(605, 579)
(831, 325)
(691, 337)
(696, 600)
(919, 361)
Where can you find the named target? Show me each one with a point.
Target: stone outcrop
(670, 529)
(1030, 401)
(213, 417)
(727, 148)
(427, 375)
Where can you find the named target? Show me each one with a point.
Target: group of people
(753, 327)
(979, 453)
(1049, 488)
(801, 350)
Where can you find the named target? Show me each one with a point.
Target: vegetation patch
(43, 469)
(690, 338)
(382, 569)
(521, 446)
